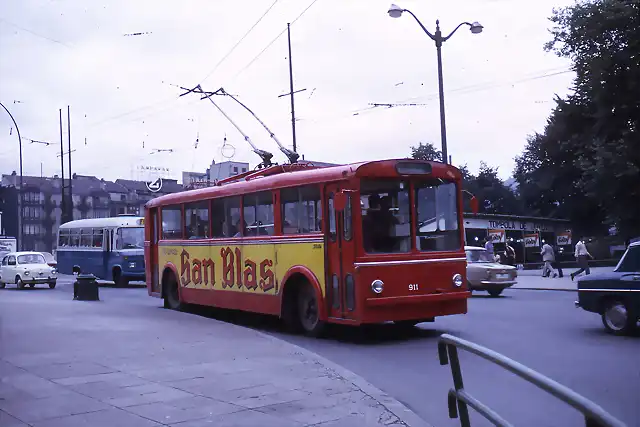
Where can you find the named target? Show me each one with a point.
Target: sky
(123, 93)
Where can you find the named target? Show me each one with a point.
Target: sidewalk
(126, 362)
(533, 280)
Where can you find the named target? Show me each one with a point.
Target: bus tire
(308, 312)
(118, 280)
(170, 292)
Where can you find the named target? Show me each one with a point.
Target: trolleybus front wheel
(171, 295)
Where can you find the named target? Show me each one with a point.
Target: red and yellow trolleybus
(354, 244)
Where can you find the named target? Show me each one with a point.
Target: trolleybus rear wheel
(308, 312)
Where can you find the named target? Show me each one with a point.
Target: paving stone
(248, 418)
(33, 385)
(150, 393)
(106, 418)
(177, 411)
(65, 370)
(115, 378)
(274, 398)
(7, 420)
(50, 407)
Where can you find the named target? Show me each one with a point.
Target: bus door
(107, 247)
(340, 291)
(152, 262)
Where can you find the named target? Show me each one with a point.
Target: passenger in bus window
(241, 229)
(369, 222)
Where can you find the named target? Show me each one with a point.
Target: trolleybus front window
(386, 218)
(437, 213)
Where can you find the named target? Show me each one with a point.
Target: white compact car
(26, 268)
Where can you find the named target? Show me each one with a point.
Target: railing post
(458, 384)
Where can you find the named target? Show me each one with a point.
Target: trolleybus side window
(225, 215)
(348, 229)
(196, 219)
(97, 238)
(86, 237)
(172, 222)
(301, 210)
(258, 214)
(386, 216)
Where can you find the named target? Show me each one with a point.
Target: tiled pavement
(125, 362)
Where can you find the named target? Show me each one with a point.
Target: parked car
(26, 268)
(485, 274)
(51, 260)
(615, 296)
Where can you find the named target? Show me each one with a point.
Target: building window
(258, 214)
(244, 170)
(235, 169)
(301, 210)
(196, 220)
(172, 222)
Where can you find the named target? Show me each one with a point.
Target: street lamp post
(475, 27)
(20, 231)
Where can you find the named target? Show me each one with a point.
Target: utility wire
(34, 33)
(255, 58)
(238, 42)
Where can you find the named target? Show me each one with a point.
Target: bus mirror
(340, 201)
(474, 205)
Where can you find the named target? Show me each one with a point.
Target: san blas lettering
(236, 271)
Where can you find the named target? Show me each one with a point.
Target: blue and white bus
(108, 248)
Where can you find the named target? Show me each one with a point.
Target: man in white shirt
(582, 255)
(489, 246)
(548, 257)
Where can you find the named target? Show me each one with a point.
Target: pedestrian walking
(582, 256)
(510, 254)
(556, 264)
(488, 245)
(548, 257)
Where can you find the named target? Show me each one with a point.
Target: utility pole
(70, 174)
(292, 92)
(63, 204)
(293, 110)
(21, 192)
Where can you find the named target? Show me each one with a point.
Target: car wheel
(2, 285)
(19, 282)
(617, 319)
(495, 292)
(31, 285)
(52, 285)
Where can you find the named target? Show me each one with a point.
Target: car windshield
(630, 261)
(31, 259)
(479, 255)
(130, 238)
(48, 257)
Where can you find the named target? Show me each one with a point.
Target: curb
(546, 289)
(404, 414)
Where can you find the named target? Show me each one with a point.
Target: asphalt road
(540, 329)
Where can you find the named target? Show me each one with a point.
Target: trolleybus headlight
(377, 286)
(457, 280)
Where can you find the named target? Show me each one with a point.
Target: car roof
(23, 253)
(474, 248)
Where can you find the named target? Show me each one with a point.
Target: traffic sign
(155, 185)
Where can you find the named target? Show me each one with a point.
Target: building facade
(92, 198)
(525, 234)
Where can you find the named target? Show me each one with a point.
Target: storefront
(525, 234)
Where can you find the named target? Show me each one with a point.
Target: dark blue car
(615, 295)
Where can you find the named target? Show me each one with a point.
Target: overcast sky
(499, 85)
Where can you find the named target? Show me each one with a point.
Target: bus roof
(120, 221)
(294, 175)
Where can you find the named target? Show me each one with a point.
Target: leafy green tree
(586, 164)
(426, 151)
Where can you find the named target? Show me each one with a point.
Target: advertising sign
(531, 240)
(497, 235)
(563, 239)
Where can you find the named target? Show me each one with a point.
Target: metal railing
(459, 400)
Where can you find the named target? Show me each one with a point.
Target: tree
(587, 161)
(492, 193)
(426, 151)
